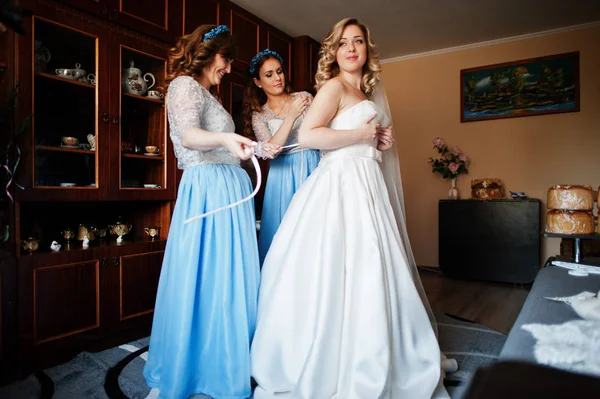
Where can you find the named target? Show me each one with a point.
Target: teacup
(91, 79)
(70, 141)
(153, 231)
(120, 229)
(151, 149)
(155, 94)
(71, 74)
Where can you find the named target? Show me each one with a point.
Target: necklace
(282, 107)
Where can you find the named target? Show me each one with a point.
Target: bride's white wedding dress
(339, 315)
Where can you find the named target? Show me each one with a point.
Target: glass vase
(453, 192)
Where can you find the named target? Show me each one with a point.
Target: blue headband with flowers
(258, 56)
(214, 32)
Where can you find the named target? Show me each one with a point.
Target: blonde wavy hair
(328, 67)
(192, 54)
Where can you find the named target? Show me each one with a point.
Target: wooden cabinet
(495, 240)
(8, 317)
(121, 124)
(77, 297)
(201, 12)
(138, 121)
(161, 19)
(138, 282)
(1, 324)
(246, 28)
(306, 59)
(63, 107)
(71, 298)
(282, 44)
(247, 31)
(158, 18)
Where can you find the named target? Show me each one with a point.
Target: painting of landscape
(536, 86)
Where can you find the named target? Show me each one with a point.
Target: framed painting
(536, 86)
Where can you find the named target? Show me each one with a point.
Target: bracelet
(259, 151)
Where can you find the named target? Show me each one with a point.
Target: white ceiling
(404, 27)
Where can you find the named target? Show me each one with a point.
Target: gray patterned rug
(116, 373)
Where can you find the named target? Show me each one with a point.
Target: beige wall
(529, 153)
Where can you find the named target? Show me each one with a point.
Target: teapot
(83, 232)
(120, 229)
(30, 244)
(132, 80)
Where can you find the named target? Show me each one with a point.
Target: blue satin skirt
(286, 175)
(205, 312)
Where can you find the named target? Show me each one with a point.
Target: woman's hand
(367, 131)
(386, 138)
(267, 150)
(239, 146)
(297, 107)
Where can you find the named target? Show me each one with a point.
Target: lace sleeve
(260, 127)
(310, 100)
(185, 103)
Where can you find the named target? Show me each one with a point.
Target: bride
(342, 312)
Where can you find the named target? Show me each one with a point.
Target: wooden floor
(495, 305)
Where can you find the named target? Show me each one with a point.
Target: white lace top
(266, 123)
(191, 105)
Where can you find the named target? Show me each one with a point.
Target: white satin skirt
(339, 315)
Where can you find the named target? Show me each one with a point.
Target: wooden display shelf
(142, 188)
(75, 246)
(60, 79)
(144, 98)
(3, 66)
(64, 149)
(142, 156)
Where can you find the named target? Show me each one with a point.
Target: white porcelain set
(134, 83)
(76, 74)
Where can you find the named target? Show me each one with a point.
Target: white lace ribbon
(248, 198)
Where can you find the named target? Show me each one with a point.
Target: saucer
(151, 186)
(67, 184)
(152, 154)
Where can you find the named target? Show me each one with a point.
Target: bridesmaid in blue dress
(205, 311)
(274, 113)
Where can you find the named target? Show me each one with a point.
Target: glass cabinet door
(142, 135)
(65, 107)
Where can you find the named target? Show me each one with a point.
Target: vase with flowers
(449, 163)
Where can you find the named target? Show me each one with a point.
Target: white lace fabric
(191, 105)
(575, 344)
(572, 346)
(266, 123)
